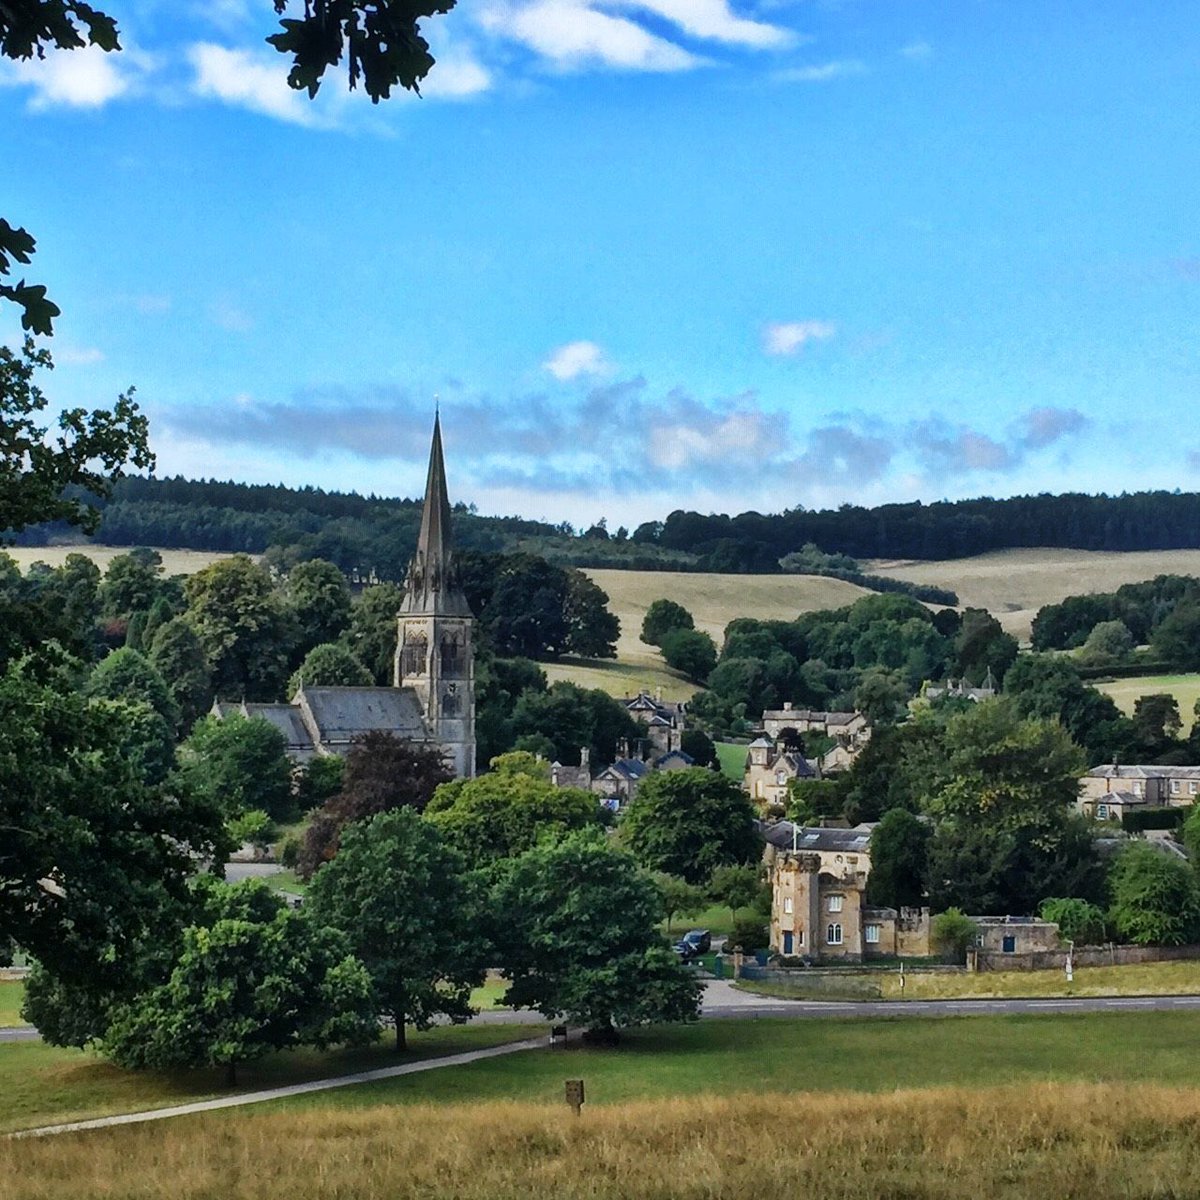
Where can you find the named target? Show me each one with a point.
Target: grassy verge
(12, 994)
(42, 1085)
(1008, 1144)
(782, 1056)
(1146, 979)
(286, 881)
(714, 918)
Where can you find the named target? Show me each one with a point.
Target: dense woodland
(373, 537)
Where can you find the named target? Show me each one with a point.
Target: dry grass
(1014, 584)
(1185, 689)
(1047, 1140)
(175, 562)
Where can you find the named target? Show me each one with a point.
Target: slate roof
(630, 768)
(1136, 771)
(285, 717)
(686, 759)
(847, 841)
(809, 714)
(343, 713)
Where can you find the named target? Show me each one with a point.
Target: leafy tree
(179, 657)
(382, 773)
(592, 630)
(1077, 920)
(330, 665)
(320, 601)
(952, 934)
(982, 645)
(698, 746)
(243, 627)
(526, 614)
(571, 717)
(662, 617)
(91, 851)
(399, 896)
(43, 476)
(1109, 642)
(128, 675)
(319, 780)
(255, 977)
(899, 860)
(679, 898)
(689, 823)
(143, 737)
(239, 763)
(1155, 901)
(131, 584)
(509, 810)
(499, 682)
(880, 697)
(371, 635)
(1156, 721)
(254, 828)
(575, 929)
(690, 651)
(735, 887)
(811, 800)
(1177, 639)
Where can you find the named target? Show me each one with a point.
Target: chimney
(787, 706)
(585, 754)
(623, 747)
(658, 694)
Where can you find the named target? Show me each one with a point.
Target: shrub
(1152, 818)
(953, 933)
(690, 651)
(1077, 920)
(750, 935)
(289, 852)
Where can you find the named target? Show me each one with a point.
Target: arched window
(450, 704)
(833, 934)
(416, 651)
(452, 655)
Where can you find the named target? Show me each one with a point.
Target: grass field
(1148, 979)
(1050, 1142)
(733, 760)
(1185, 689)
(622, 679)
(1014, 584)
(175, 562)
(12, 993)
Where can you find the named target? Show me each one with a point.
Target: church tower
(433, 650)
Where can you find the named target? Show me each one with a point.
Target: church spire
(432, 585)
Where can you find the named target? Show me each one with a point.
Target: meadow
(1185, 689)
(1090, 1106)
(12, 993)
(175, 562)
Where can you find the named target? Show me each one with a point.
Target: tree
(319, 780)
(131, 584)
(243, 627)
(320, 601)
(254, 977)
(1077, 920)
(253, 828)
(239, 763)
(689, 823)
(329, 665)
(1109, 642)
(880, 697)
(179, 657)
(1156, 721)
(509, 810)
(371, 635)
(42, 478)
(735, 887)
(526, 612)
(128, 675)
(899, 860)
(575, 929)
(661, 618)
(690, 651)
(382, 773)
(982, 646)
(90, 851)
(699, 747)
(1155, 901)
(592, 630)
(679, 898)
(952, 934)
(573, 718)
(399, 896)
(1177, 640)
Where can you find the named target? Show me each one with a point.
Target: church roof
(343, 713)
(285, 717)
(432, 585)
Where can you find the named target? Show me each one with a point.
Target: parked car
(693, 944)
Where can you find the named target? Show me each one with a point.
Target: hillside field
(1014, 584)
(1185, 689)
(175, 562)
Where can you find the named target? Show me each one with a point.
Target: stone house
(850, 729)
(665, 721)
(770, 768)
(961, 690)
(1016, 935)
(1151, 786)
(618, 784)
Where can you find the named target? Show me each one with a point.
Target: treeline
(1140, 607)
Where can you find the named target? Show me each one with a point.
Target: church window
(416, 649)
(450, 705)
(833, 934)
(452, 656)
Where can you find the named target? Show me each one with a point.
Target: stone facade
(1124, 787)
(769, 770)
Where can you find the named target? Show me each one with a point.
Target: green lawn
(12, 992)
(733, 760)
(286, 881)
(1185, 689)
(42, 1085)
(781, 1055)
(715, 919)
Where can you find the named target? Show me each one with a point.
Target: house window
(833, 934)
(758, 788)
(835, 903)
(872, 934)
(1009, 943)
(787, 904)
(1192, 788)
(781, 777)
(1174, 787)
(1102, 812)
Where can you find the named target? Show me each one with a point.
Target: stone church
(433, 697)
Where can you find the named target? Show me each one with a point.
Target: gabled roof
(343, 713)
(1138, 771)
(285, 717)
(850, 841)
(628, 768)
(671, 756)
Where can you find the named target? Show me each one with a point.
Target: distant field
(622, 678)
(1014, 584)
(175, 562)
(1185, 689)
(12, 995)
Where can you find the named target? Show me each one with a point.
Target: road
(722, 1001)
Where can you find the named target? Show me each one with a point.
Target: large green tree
(128, 675)
(899, 860)
(1155, 899)
(330, 664)
(689, 823)
(371, 635)
(320, 600)
(178, 654)
(575, 926)
(239, 762)
(663, 616)
(399, 895)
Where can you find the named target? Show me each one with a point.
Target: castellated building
(432, 701)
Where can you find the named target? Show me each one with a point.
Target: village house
(850, 729)
(959, 689)
(1109, 791)
(664, 721)
(770, 768)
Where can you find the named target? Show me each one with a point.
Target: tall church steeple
(433, 648)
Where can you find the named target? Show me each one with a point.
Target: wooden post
(574, 1094)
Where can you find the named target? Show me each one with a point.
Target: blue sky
(651, 254)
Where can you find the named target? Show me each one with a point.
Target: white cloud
(823, 72)
(78, 356)
(457, 76)
(87, 78)
(575, 359)
(230, 317)
(246, 79)
(711, 20)
(918, 51)
(572, 35)
(786, 337)
(706, 438)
